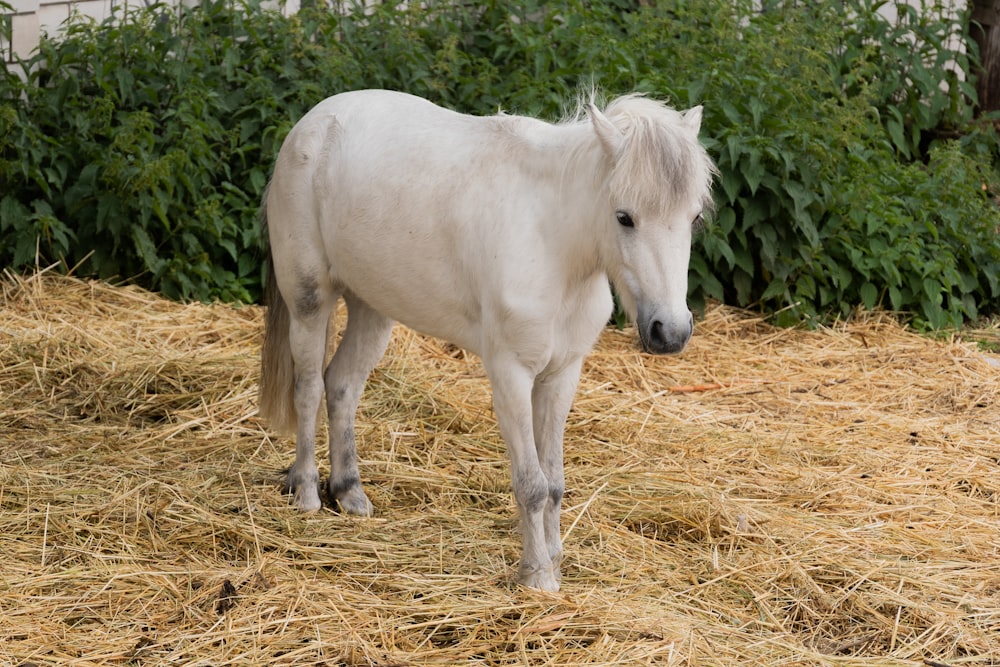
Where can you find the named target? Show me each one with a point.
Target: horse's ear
(610, 136)
(693, 118)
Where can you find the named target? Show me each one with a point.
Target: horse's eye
(624, 219)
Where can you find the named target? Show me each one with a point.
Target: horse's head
(659, 185)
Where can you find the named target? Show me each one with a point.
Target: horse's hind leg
(310, 314)
(364, 342)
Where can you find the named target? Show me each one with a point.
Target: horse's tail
(276, 396)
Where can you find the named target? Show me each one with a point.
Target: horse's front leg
(551, 399)
(512, 386)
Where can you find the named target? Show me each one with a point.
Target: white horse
(499, 234)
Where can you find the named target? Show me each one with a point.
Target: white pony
(499, 234)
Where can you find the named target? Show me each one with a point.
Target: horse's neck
(582, 173)
(567, 164)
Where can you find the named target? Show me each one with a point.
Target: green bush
(902, 253)
(140, 147)
(851, 171)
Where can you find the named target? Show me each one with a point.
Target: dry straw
(770, 497)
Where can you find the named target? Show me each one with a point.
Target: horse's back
(372, 141)
(385, 122)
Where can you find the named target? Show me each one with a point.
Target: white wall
(33, 18)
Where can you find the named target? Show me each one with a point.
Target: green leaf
(869, 295)
(732, 184)
(744, 286)
(932, 288)
(777, 288)
(147, 250)
(894, 126)
(752, 170)
(896, 298)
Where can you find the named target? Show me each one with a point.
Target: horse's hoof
(354, 501)
(304, 490)
(543, 578)
(308, 502)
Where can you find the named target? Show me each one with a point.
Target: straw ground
(770, 497)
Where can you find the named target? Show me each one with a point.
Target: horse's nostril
(656, 332)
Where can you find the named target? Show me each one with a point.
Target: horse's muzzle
(660, 337)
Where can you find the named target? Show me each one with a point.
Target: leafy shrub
(142, 148)
(139, 147)
(902, 251)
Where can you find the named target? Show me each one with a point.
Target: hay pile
(770, 497)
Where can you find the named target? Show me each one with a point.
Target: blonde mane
(662, 161)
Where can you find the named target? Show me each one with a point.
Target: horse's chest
(583, 315)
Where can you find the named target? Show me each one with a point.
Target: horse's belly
(439, 305)
(452, 325)
(413, 257)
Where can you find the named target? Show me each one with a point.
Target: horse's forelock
(662, 161)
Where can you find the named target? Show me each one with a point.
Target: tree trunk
(985, 30)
